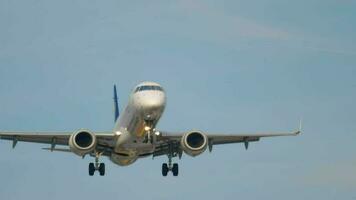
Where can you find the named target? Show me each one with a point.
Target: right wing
(54, 138)
(60, 138)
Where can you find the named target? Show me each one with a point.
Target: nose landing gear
(150, 137)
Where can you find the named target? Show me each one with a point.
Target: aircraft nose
(152, 102)
(153, 105)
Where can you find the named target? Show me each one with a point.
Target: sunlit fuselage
(145, 107)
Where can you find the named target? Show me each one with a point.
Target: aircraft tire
(164, 169)
(91, 169)
(175, 169)
(102, 169)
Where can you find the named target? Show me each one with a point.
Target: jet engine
(194, 143)
(82, 142)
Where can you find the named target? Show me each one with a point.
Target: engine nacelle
(194, 143)
(82, 142)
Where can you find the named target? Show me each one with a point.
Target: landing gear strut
(150, 136)
(170, 167)
(97, 166)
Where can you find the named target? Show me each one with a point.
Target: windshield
(148, 87)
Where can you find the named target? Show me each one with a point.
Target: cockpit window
(148, 87)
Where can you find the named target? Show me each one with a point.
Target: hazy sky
(227, 66)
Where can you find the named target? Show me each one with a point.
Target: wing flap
(58, 149)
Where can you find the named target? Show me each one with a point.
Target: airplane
(135, 135)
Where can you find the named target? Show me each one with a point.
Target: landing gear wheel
(175, 169)
(91, 169)
(102, 169)
(164, 169)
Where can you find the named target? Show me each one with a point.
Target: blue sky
(227, 66)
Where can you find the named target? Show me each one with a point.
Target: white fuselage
(144, 109)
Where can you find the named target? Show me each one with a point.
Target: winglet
(116, 104)
(300, 127)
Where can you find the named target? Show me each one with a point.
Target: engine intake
(82, 142)
(194, 143)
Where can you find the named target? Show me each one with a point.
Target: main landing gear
(96, 166)
(170, 167)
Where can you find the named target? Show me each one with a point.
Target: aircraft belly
(123, 160)
(128, 148)
(131, 152)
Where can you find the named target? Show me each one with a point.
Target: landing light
(118, 133)
(157, 133)
(147, 128)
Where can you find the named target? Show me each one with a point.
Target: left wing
(169, 143)
(228, 139)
